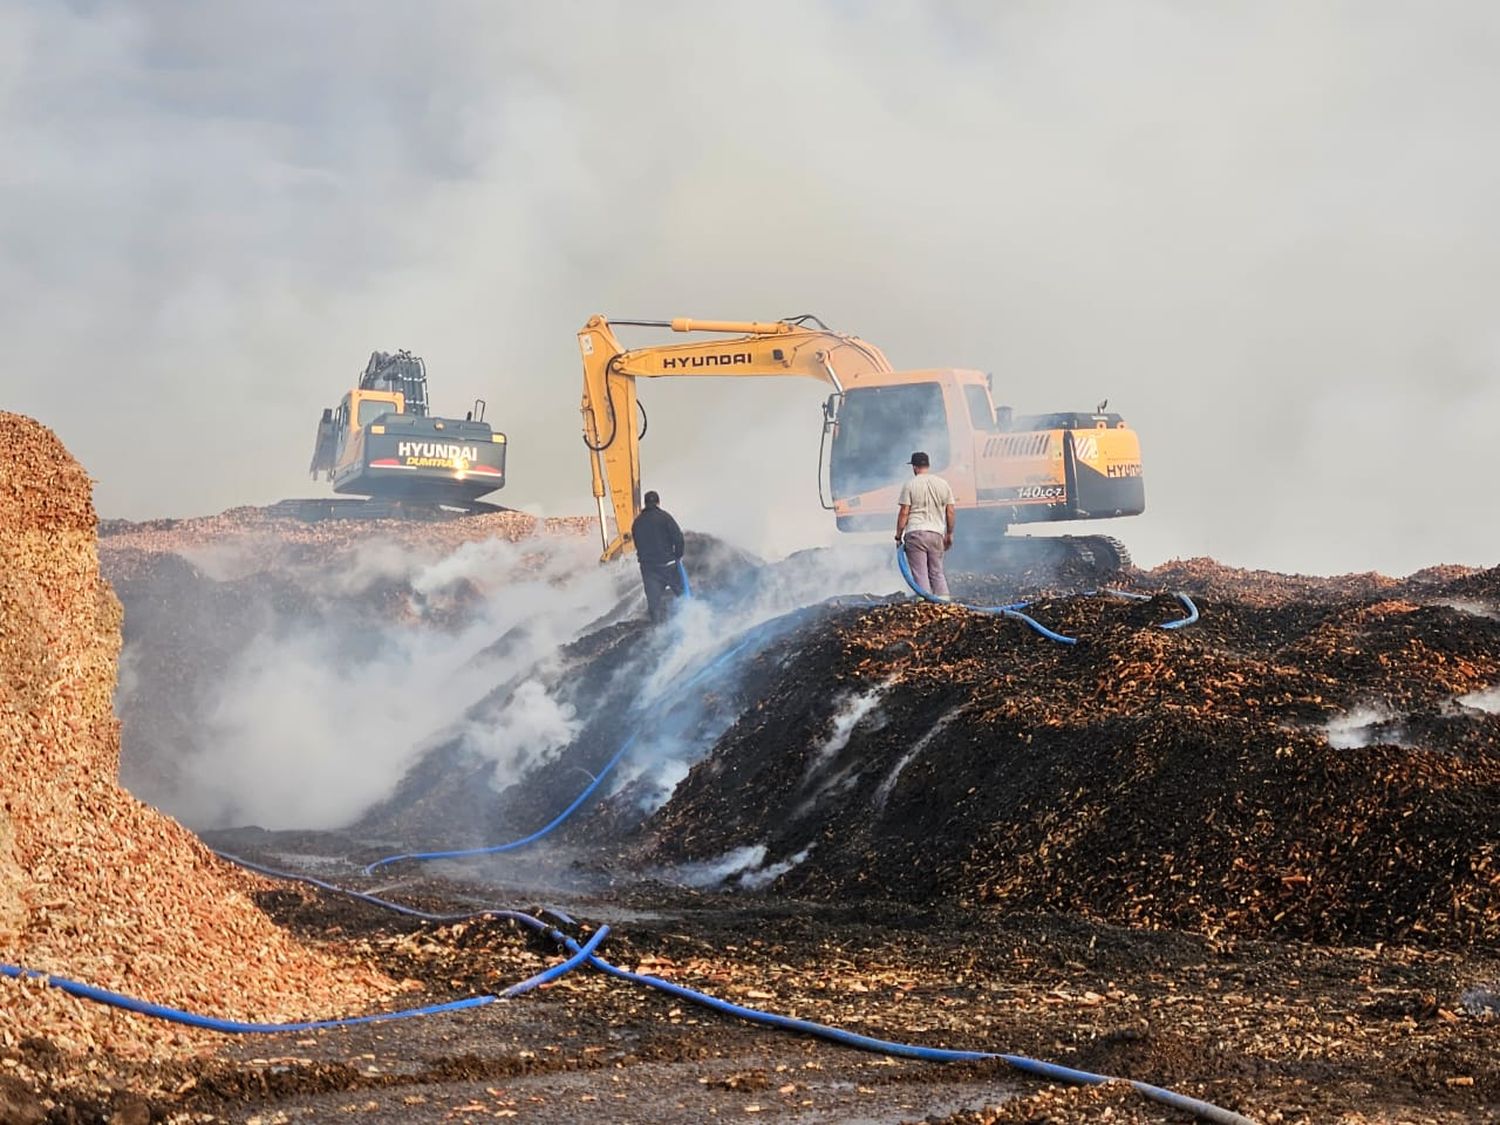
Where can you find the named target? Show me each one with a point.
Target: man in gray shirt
(924, 525)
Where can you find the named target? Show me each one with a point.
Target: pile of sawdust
(257, 541)
(94, 885)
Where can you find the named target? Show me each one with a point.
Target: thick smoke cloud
(320, 714)
(1265, 232)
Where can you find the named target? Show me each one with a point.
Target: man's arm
(679, 547)
(903, 510)
(949, 515)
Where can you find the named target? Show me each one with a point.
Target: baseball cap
(919, 459)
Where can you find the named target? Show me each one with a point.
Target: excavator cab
(877, 429)
(345, 422)
(1004, 468)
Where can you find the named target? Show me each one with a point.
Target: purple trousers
(924, 551)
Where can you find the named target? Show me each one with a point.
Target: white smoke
(1487, 699)
(530, 730)
(715, 872)
(759, 878)
(744, 867)
(1357, 729)
(313, 724)
(1473, 608)
(1265, 231)
(316, 720)
(701, 627)
(852, 711)
(888, 785)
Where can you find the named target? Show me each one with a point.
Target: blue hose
(1205, 1110)
(1187, 604)
(384, 904)
(520, 842)
(911, 579)
(1037, 627)
(1202, 1109)
(1182, 622)
(687, 587)
(580, 954)
(1013, 610)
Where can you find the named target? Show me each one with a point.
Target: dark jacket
(658, 539)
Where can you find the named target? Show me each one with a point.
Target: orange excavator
(1005, 468)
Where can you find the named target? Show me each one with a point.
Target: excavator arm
(800, 347)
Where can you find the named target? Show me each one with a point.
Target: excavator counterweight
(382, 442)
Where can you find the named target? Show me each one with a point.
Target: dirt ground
(1280, 1032)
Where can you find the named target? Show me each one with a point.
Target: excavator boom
(1004, 469)
(756, 349)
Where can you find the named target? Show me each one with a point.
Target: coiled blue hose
(1013, 610)
(1187, 604)
(1205, 1110)
(580, 954)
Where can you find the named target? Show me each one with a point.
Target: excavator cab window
(879, 428)
(981, 413)
(341, 426)
(370, 409)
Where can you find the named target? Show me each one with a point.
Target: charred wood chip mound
(95, 885)
(1188, 780)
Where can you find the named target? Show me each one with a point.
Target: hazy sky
(1269, 233)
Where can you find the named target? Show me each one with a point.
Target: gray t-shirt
(929, 497)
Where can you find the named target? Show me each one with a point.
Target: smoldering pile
(286, 674)
(255, 540)
(235, 620)
(1151, 778)
(669, 692)
(1301, 763)
(96, 885)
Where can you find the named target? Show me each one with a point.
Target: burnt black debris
(1161, 780)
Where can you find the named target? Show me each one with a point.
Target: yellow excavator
(1004, 468)
(382, 442)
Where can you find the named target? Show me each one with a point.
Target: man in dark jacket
(659, 547)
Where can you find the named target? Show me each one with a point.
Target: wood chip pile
(260, 542)
(94, 885)
(1185, 780)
